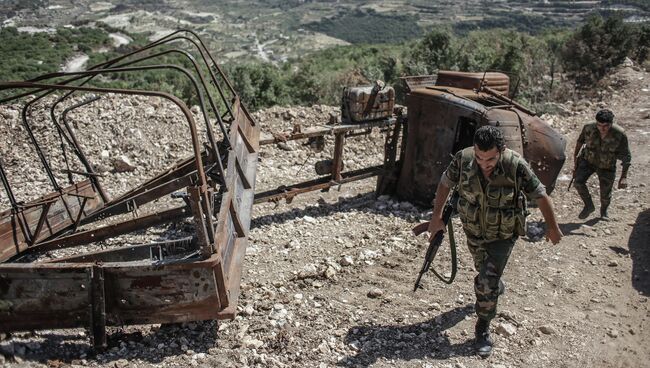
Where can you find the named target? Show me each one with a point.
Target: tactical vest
(499, 211)
(602, 153)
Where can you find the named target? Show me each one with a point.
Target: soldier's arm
(579, 143)
(535, 190)
(624, 155)
(553, 232)
(448, 180)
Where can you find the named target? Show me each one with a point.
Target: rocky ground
(328, 278)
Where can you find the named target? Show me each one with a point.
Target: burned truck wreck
(197, 277)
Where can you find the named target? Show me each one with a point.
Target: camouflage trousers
(490, 259)
(605, 181)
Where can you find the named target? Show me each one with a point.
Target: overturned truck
(197, 277)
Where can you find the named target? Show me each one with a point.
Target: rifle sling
(454, 260)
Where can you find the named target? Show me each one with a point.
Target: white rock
(375, 293)
(309, 271)
(548, 330)
(368, 254)
(123, 164)
(505, 329)
(329, 272)
(251, 343)
(248, 310)
(346, 261)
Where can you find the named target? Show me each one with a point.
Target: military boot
(587, 209)
(603, 212)
(484, 342)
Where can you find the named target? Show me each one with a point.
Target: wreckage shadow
(571, 227)
(63, 347)
(640, 253)
(408, 342)
(365, 202)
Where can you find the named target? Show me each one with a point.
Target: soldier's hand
(435, 225)
(554, 235)
(622, 183)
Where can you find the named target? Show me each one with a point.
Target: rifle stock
(420, 228)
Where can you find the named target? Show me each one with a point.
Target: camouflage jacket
(603, 153)
(493, 209)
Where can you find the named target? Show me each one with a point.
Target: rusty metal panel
(161, 293)
(509, 122)
(234, 213)
(414, 82)
(54, 212)
(474, 81)
(433, 120)
(49, 296)
(544, 150)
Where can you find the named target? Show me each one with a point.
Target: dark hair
(488, 137)
(605, 116)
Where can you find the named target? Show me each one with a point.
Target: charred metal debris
(197, 277)
(186, 279)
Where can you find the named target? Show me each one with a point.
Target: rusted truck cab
(443, 117)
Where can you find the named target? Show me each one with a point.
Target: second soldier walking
(599, 145)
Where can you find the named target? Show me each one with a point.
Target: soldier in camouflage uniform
(604, 142)
(492, 181)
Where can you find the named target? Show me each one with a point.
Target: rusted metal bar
(169, 248)
(277, 138)
(337, 162)
(44, 211)
(110, 231)
(200, 225)
(80, 214)
(185, 168)
(37, 147)
(7, 187)
(142, 197)
(287, 192)
(98, 305)
(508, 100)
(72, 139)
(386, 182)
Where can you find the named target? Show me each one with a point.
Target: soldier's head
(604, 120)
(488, 145)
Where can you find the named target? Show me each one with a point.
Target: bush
(601, 44)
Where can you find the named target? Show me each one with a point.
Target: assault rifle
(436, 241)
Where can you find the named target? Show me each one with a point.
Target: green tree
(597, 46)
(437, 50)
